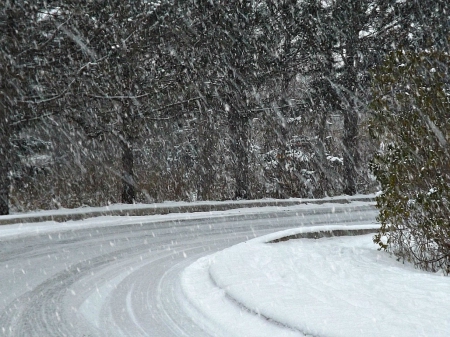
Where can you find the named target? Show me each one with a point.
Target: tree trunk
(4, 188)
(205, 170)
(5, 182)
(239, 131)
(350, 151)
(350, 137)
(128, 184)
(324, 170)
(285, 186)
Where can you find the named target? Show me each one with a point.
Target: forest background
(110, 101)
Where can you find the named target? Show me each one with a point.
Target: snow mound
(339, 286)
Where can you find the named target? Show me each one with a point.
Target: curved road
(122, 280)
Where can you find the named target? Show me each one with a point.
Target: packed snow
(133, 265)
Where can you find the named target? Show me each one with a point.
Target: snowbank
(336, 287)
(169, 207)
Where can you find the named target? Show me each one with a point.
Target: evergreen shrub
(411, 105)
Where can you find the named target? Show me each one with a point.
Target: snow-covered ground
(155, 276)
(334, 287)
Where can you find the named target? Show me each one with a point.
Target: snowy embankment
(172, 213)
(335, 286)
(169, 207)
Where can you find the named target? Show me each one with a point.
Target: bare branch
(118, 97)
(49, 99)
(33, 118)
(177, 103)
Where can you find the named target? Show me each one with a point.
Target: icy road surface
(120, 276)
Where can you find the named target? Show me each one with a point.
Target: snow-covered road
(119, 276)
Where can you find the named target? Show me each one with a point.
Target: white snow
(101, 221)
(92, 305)
(178, 204)
(340, 286)
(45, 14)
(215, 313)
(34, 228)
(335, 159)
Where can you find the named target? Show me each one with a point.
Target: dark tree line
(202, 99)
